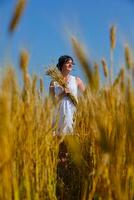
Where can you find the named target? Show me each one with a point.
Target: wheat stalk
(82, 57)
(17, 14)
(41, 85)
(105, 68)
(96, 76)
(24, 60)
(113, 36)
(128, 57)
(56, 75)
(119, 78)
(112, 46)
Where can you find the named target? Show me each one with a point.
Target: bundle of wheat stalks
(56, 75)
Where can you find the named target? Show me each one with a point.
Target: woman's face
(68, 66)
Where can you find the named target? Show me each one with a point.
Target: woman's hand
(67, 91)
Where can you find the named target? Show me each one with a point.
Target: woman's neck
(65, 74)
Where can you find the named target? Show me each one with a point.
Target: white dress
(65, 110)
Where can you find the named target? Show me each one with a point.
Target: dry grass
(26, 144)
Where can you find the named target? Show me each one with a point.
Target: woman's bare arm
(80, 84)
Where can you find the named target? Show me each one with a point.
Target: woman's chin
(70, 69)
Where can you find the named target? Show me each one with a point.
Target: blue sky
(45, 26)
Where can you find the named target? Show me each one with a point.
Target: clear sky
(44, 28)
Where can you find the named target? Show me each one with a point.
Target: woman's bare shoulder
(78, 79)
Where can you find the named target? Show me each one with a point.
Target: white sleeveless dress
(65, 109)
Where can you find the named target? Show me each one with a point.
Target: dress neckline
(69, 77)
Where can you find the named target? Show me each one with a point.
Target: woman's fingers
(67, 90)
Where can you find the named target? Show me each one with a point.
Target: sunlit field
(97, 161)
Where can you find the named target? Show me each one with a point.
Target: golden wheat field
(99, 163)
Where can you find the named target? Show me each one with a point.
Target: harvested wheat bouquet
(56, 75)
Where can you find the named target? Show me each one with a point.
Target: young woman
(66, 108)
